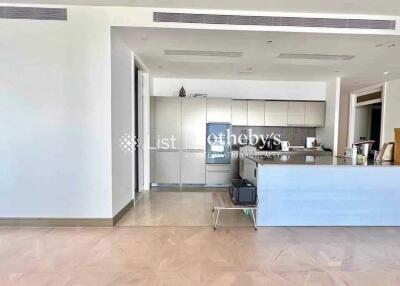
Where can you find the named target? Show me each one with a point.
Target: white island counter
(324, 191)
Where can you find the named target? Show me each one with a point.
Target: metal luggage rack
(222, 201)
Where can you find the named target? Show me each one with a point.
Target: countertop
(314, 160)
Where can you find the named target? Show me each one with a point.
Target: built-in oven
(218, 143)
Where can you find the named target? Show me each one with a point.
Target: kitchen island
(301, 190)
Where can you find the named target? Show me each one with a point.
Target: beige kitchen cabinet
(194, 114)
(168, 167)
(239, 112)
(250, 170)
(296, 113)
(234, 164)
(315, 114)
(193, 167)
(219, 110)
(255, 113)
(168, 122)
(276, 113)
(218, 174)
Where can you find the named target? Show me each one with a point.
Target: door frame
(353, 105)
(141, 124)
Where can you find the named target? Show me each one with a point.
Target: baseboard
(122, 212)
(66, 222)
(57, 222)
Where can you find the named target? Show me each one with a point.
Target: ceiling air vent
(374, 24)
(316, 57)
(203, 53)
(33, 13)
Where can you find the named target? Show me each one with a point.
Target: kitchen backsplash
(295, 135)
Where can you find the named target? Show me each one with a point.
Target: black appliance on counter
(242, 192)
(268, 145)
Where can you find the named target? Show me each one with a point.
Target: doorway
(366, 116)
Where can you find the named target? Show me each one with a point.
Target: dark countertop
(313, 160)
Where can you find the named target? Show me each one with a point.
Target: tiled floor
(200, 256)
(192, 253)
(190, 207)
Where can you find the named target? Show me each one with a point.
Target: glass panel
(218, 143)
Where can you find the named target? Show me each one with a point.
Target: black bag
(242, 192)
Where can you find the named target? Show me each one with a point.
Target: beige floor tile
(190, 207)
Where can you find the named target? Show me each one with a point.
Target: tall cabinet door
(219, 110)
(315, 114)
(168, 121)
(168, 167)
(193, 167)
(239, 112)
(276, 113)
(255, 115)
(194, 116)
(296, 113)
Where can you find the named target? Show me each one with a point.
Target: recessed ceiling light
(144, 38)
(336, 71)
(392, 45)
(386, 72)
(379, 45)
(160, 66)
(269, 42)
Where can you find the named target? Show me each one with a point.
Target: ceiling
(372, 7)
(260, 60)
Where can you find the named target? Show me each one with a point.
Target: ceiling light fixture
(392, 45)
(379, 45)
(386, 72)
(248, 70)
(203, 53)
(269, 42)
(316, 57)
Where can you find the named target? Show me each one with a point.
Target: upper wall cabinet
(168, 120)
(315, 114)
(239, 112)
(276, 113)
(296, 113)
(194, 115)
(219, 110)
(255, 114)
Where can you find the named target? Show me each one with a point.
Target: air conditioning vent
(374, 24)
(33, 13)
(203, 53)
(316, 57)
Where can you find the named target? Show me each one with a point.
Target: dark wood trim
(122, 212)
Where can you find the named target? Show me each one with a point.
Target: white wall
(249, 89)
(55, 113)
(391, 109)
(122, 116)
(55, 141)
(328, 135)
(344, 110)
